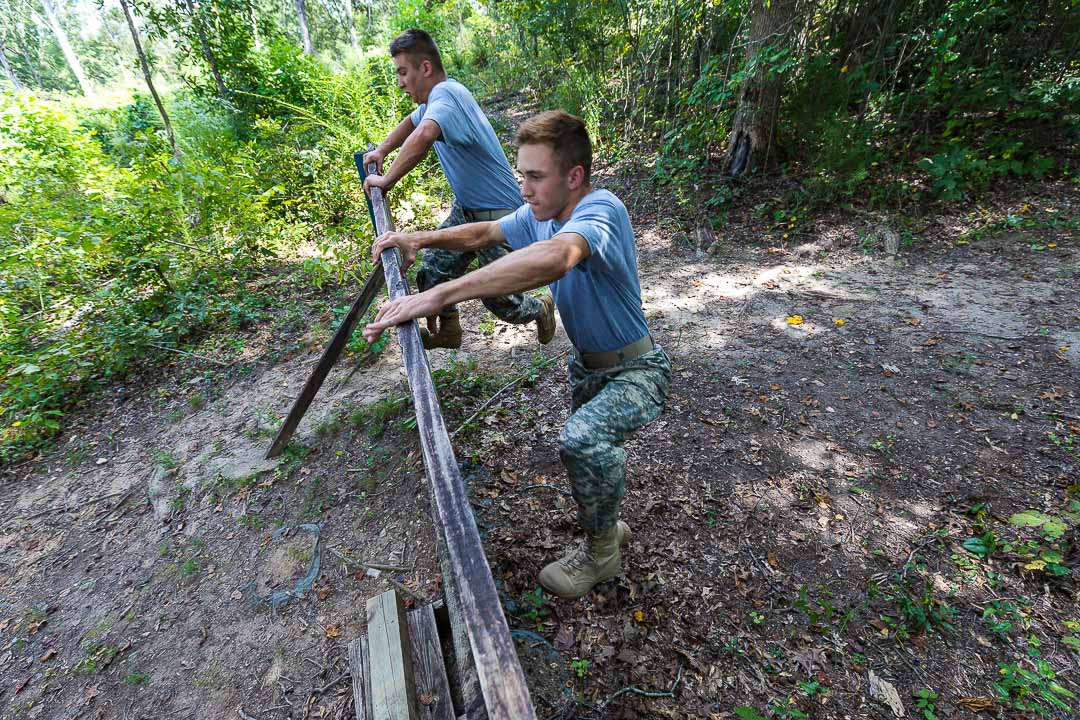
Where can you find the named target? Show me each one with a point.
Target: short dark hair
(564, 133)
(419, 46)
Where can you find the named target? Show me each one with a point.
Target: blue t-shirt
(469, 152)
(600, 298)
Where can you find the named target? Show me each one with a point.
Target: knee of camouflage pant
(425, 279)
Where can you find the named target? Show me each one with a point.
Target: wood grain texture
(393, 684)
(330, 356)
(429, 666)
(360, 669)
(501, 679)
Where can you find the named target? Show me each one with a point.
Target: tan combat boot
(448, 336)
(545, 324)
(594, 561)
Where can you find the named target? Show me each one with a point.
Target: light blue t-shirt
(469, 152)
(600, 298)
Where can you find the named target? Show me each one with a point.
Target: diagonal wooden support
(330, 356)
(502, 682)
(337, 344)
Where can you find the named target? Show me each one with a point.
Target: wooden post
(429, 666)
(393, 688)
(502, 681)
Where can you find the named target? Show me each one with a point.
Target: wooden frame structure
(491, 681)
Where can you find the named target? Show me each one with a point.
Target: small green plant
(189, 567)
(97, 658)
(926, 702)
(535, 611)
(136, 678)
(1032, 690)
(756, 618)
(166, 459)
(580, 667)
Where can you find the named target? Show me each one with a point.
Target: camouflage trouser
(438, 266)
(608, 405)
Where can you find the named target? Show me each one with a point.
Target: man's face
(545, 186)
(412, 76)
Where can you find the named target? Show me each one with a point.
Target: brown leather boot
(594, 561)
(448, 336)
(545, 324)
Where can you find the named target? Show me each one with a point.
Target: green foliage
(926, 703)
(1032, 689)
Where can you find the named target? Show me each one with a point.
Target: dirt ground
(861, 500)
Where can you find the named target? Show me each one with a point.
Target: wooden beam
(360, 669)
(330, 356)
(429, 666)
(393, 686)
(501, 679)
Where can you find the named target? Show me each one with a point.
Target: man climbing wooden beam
(449, 119)
(579, 240)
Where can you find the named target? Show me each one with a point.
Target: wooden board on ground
(360, 669)
(393, 687)
(429, 666)
(501, 679)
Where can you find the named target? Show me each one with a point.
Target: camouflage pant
(607, 406)
(437, 266)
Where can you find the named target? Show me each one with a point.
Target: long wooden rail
(469, 584)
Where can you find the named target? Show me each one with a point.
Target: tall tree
(22, 36)
(65, 47)
(208, 53)
(754, 125)
(350, 23)
(250, 7)
(305, 36)
(149, 80)
(8, 71)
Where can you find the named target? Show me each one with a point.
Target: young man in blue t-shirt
(449, 119)
(578, 240)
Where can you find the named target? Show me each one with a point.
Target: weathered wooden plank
(470, 696)
(429, 666)
(360, 669)
(393, 686)
(501, 679)
(330, 356)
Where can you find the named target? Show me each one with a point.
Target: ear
(576, 177)
(425, 68)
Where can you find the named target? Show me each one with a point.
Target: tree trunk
(24, 48)
(254, 25)
(208, 53)
(754, 124)
(149, 81)
(350, 22)
(305, 36)
(65, 47)
(8, 71)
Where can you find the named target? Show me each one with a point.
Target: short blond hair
(564, 133)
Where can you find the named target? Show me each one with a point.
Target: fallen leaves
(977, 703)
(333, 631)
(885, 692)
(795, 320)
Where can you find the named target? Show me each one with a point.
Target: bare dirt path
(827, 508)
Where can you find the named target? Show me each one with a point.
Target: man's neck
(575, 199)
(435, 80)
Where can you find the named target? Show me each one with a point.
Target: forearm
(412, 152)
(397, 136)
(521, 270)
(462, 238)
